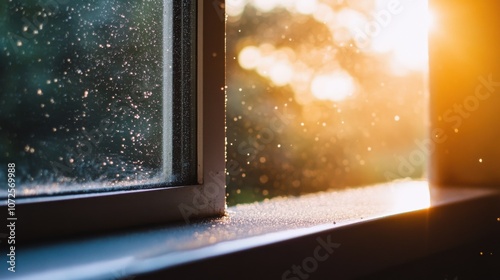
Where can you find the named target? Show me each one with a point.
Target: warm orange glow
(269, 62)
(431, 20)
(249, 57)
(411, 196)
(397, 30)
(405, 36)
(346, 81)
(335, 86)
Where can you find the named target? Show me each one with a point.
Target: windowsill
(372, 226)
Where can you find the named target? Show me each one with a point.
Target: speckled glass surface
(88, 94)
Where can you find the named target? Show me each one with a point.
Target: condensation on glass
(324, 95)
(97, 94)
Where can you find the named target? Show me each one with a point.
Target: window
(324, 95)
(106, 102)
(93, 98)
(338, 234)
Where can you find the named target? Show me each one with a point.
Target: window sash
(50, 217)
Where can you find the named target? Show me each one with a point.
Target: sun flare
(410, 196)
(405, 36)
(396, 30)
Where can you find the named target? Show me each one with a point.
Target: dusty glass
(97, 94)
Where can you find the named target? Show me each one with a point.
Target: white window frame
(63, 215)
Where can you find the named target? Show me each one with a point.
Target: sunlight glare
(411, 196)
(281, 73)
(235, 8)
(249, 57)
(399, 34)
(431, 20)
(306, 6)
(405, 36)
(335, 86)
(265, 5)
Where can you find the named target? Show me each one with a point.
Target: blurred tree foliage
(279, 146)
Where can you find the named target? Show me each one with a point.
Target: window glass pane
(90, 97)
(324, 95)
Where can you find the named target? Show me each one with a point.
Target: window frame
(73, 214)
(386, 245)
